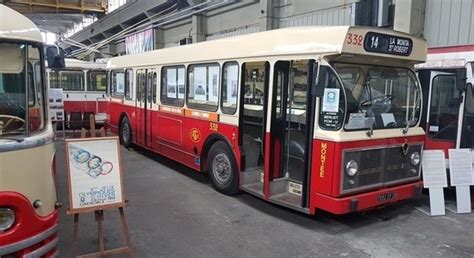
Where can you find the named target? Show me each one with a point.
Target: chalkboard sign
(387, 44)
(94, 174)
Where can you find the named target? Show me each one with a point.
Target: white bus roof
(317, 41)
(448, 57)
(14, 26)
(76, 63)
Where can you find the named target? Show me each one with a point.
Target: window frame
(128, 91)
(203, 107)
(177, 102)
(430, 107)
(112, 91)
(229, 110)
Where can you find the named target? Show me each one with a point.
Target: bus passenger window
(230, 78)
(172, 85)
(149, 87)
(97, 81)
(139, 80)
(155, 78)
(118, 83)
(203, 86)
(53, 79)
(128, 84)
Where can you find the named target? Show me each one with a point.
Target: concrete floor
(175, 212)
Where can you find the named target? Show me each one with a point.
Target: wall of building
(314, 12)
(449, 22)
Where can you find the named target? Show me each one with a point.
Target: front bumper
(31, 235)
(369, 200)
(42, 244)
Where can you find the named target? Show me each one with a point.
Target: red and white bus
(308, 118)
(28, 202)
(447, 79)
(84, 87)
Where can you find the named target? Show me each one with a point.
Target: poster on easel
(95, 180)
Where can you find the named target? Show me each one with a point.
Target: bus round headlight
(415, 158)
(7, 218)
(352, 168)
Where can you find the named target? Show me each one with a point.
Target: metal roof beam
(58, 5)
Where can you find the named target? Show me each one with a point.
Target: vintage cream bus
(28, 201)
(308, 117)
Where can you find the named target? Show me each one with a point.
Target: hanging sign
(94, 174)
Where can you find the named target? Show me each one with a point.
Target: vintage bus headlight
(352, 168)
(7, 218)
(415, 158)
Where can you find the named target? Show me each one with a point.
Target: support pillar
(266, 15)
(158, 38)
(199, 29)
(410, 16)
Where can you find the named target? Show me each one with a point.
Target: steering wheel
(10, 119)
(369, 102)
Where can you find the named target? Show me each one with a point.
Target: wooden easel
(92, 130)
(99, 218)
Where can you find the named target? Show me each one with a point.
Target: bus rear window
(97, 81)
(71, 80)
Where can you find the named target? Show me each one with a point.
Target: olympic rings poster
(94, 174)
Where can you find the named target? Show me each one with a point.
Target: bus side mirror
(461, 80)
(320, 80)
(55, 57)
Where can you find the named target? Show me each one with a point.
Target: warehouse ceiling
(57, 15)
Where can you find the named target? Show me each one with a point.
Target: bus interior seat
(75, 121)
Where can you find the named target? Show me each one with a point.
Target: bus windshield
(12, 89)
(16, 108)
(379, 97)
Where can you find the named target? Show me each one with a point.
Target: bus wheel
(223, 169)
(126, 133)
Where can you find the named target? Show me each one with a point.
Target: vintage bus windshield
(15, 74)
(379, 97)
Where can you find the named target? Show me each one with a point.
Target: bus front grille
(379, 166)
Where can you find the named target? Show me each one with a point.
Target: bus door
(467, 133)
(289, 133)
(150, 105)
(141, 104)
(253, 117)
(443, 109)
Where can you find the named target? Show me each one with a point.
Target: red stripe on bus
(453, 49)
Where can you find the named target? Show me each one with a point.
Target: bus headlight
(352, 168)
(415, 158)
(7, 218)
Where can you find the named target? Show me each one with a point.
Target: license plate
(386, 197)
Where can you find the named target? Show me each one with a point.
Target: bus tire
(125, 133)
(222, 169)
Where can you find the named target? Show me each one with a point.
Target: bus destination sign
(387, 44)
